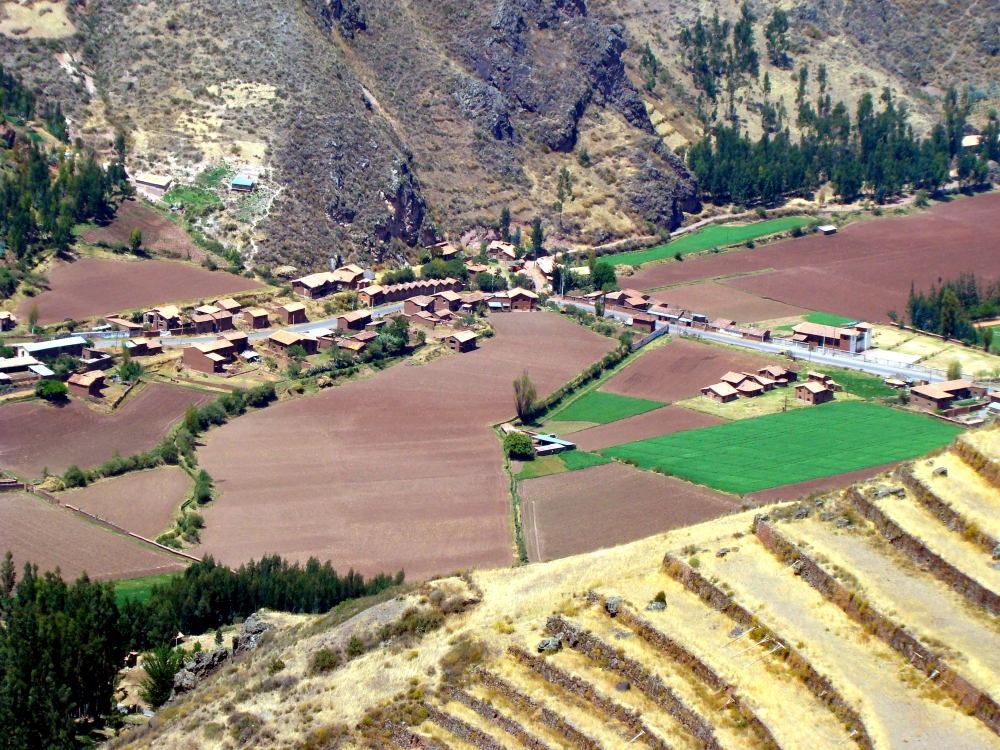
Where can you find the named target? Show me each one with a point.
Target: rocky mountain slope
(380, 124)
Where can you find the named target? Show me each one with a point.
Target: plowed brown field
(143, 502)
(801, 489)
(680, 370)
(397, 471)
(719, 301)
(662, 421)
(603, 506)
(35, 435)
(158, 232)
(39, 532)
(864, 270)
(97, 286)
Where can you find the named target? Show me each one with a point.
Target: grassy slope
(795, 446)
(602, 408)
(709, 237)
(140, 588)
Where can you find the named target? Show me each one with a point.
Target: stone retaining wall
(854, 605)
(989, 468)
(462, 730)
(492, 715)
(818, 684)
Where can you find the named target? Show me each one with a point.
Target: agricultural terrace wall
(819, 685)
(676, 652)
(462, 730)
(585, 690)
(490, 714)
(638, 675)
(402, 737)
(529, 705)
(988, 467)
(945, 513)
(858, 609)
(922, 556)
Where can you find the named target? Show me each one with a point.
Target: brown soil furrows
(53, 537)
(462, 730)
(988, 467)
(823, 484)
(944, 512)
(544, 715)
(817, 683)
(95, 286)
(38, 435)
(864, 270)
(662, 421)
(680, 370)
(678, 653)
(917, 551)
(720, 301)
(569, 513)
(397, 470)
(638, 675)
(158, 232)
(492, 715)
(583, 689)
(142, 502)
(970, 697)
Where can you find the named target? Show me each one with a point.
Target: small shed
(86, 384)
(228, 304)
(293, 313)
(255, 317)
(461, 341)
(243, 183)
(354, 321)
(645, 323)
(827, 229)
(813, 392)
(722, 393)
(154, 185)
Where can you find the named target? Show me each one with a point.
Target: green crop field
(140, 588)
(602, 408)
(821, 318)
(578, 459)
(190, 197)
(560, 463)
(715, 235)
(795, 446)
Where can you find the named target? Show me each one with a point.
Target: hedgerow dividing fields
(795, 446)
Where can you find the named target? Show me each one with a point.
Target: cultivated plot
(400, 470)
(97, 286)
(158, 233)
(39, 532)
(663, 421)
(680, 370)
(142, 502)
(580, 511)
(864, 270)
(719, 301)
(600, 408)
(796, 446)
(38, 435)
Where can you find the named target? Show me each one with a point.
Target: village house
(628, 299)
(934, 396)
(228, 304)
(414, 305)
(293, 313)
(86, 384)
(733, 378)
(242, 183)
(819, 377)
(766, 383)
(813, 392)
(474, 301)
(499, 302)
(18, 366)
(153, 185)
(162, 318)
(722, 393)
(122, 324)
(749, 388)
(209, 357)
(498, 250)
(857, 338)
(354, 321)
(474, 268)
(522, 299)
(449, 300)
(424, 318)
(73, 346)
(315, 285)
(670, 314)
(756, 334)
(372, 296)
(780, 375)
(95, 359)
(7, 321)
(143, 347)
(255, 317)
(445, 251)
(461, 341)
(644, 323)
(721, 324)
(282, 341)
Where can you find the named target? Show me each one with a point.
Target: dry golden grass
(963, 489)
(40, 20)
(772, 402)
(986, 441)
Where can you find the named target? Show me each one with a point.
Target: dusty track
(396, 471)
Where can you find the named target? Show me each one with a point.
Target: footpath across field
(796, 446)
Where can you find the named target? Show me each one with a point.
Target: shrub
(203, 487)
(796, 231)
(324, 660)
(260, 395)
(355, 647)
(518, 445)
(661, 597)
(74, 477)
(51, 390)
(275, 666)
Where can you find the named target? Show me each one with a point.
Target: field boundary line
(917, 551)
(712, 279)
(115, 528)
(970, 697)
(817, 683)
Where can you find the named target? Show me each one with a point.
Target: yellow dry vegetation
(772, 402)
(986, 441)
(39, 20)
(936, 353)
(964, 489)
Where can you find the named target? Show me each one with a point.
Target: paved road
(313, 325)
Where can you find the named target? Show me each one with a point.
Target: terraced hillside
(863, 618)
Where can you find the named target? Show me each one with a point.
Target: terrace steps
(771, 689)
(950, 557)
(430, 734)
(981, 451)
(879, 584)
(723, 726)
(507, 720)
(863, 670)
(465, 723)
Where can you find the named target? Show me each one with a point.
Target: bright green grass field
(602, 408)
(795, 446)
(823, 319)
(140, 588)
(560, 463)
(714, 235)
(189, 196)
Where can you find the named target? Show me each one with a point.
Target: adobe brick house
(721, 393)
(144, 347)
(858, 338)
(7, 321)
(448, 300)
(372, 296)
(522, 300)
(780, 375)
(86, 384)
(750, 388)
(461, 341)
(162, 318)
(73, 346)
(733, 378)
(292, 313)
(644, 323)
(942, 395)
(354, 321)
(255, 317)
(282, 341)
(209, 357)
(228, 304)
(813, 392)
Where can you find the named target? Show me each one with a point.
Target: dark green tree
(778, 42)
(160, 666)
